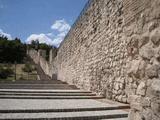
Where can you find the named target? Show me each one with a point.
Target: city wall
(113, 49)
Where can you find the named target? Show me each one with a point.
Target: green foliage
(11, 50)
(27, 68)
(5, 72)
(21, 78)
(34, 45)
(9, 71)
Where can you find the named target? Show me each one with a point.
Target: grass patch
(20, 74)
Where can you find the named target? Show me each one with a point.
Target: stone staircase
(54, 100)
(41, 73)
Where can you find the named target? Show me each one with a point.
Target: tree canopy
(15, 51)
(11, 50)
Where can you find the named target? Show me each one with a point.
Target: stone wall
(49, 67)
(34, 55)
(142, 32)
(93, 55)
(113, 49)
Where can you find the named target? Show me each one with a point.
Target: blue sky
(38, 19)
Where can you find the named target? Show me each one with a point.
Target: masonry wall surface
(39, 57)
(142, 34)
(93, 55)
(113, 49)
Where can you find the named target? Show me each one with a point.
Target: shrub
(27, 68)
(21, 78)
(5, 72)
(3, 75)
(9, 71)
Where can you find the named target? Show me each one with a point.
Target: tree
(5, 72)
(11, 50)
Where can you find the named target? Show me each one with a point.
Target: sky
(45, 20)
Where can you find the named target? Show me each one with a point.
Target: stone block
(146, 52)
(137, 68)
(152, 71)
(155, 87)
(134, 115)
(157, 55)
(124, 99)
(155, 106)
(144, 40)
(152, 26)
(136, 106)
(146, 102)
(147, 114)
(141, 90)
(155, 37)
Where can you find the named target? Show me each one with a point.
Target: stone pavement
(22, 100)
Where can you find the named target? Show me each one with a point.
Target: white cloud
(42, 38)
(49, 34)
(60, 25)
(5, 34)
(58, 39)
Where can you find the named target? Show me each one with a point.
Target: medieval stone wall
(113, 49)
(39, 57)
(142, 34)
(34, 55)
(93, 55)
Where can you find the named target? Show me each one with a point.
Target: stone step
(116, 119)
(64, 110)
(42, 91)
(84, 115)
(56, 104)
(41, 73)
(63, 88)
(47, 94)
(33, 82)
(36, 86)
(48, 97)
(28, 84)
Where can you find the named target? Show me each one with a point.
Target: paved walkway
(55, 101)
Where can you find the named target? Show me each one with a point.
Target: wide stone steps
(32, 82)
(116, 119)
(36, 86)
(46, 94)
(54, 101)
(64, 110)
(42, 91)
(59, 109)
(84, 115)
(21, 94)
(48, 97)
